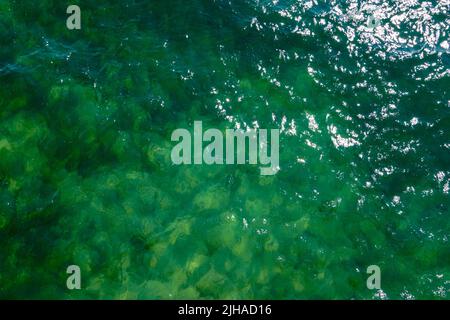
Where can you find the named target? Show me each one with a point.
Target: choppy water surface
(359, 89)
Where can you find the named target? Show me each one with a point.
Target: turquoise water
(86, 178)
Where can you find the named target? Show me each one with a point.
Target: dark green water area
(86, 178)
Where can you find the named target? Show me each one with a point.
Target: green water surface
(86, 177)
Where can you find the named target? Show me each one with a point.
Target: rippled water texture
(359, 89)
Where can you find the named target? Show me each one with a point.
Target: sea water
(359, 91)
